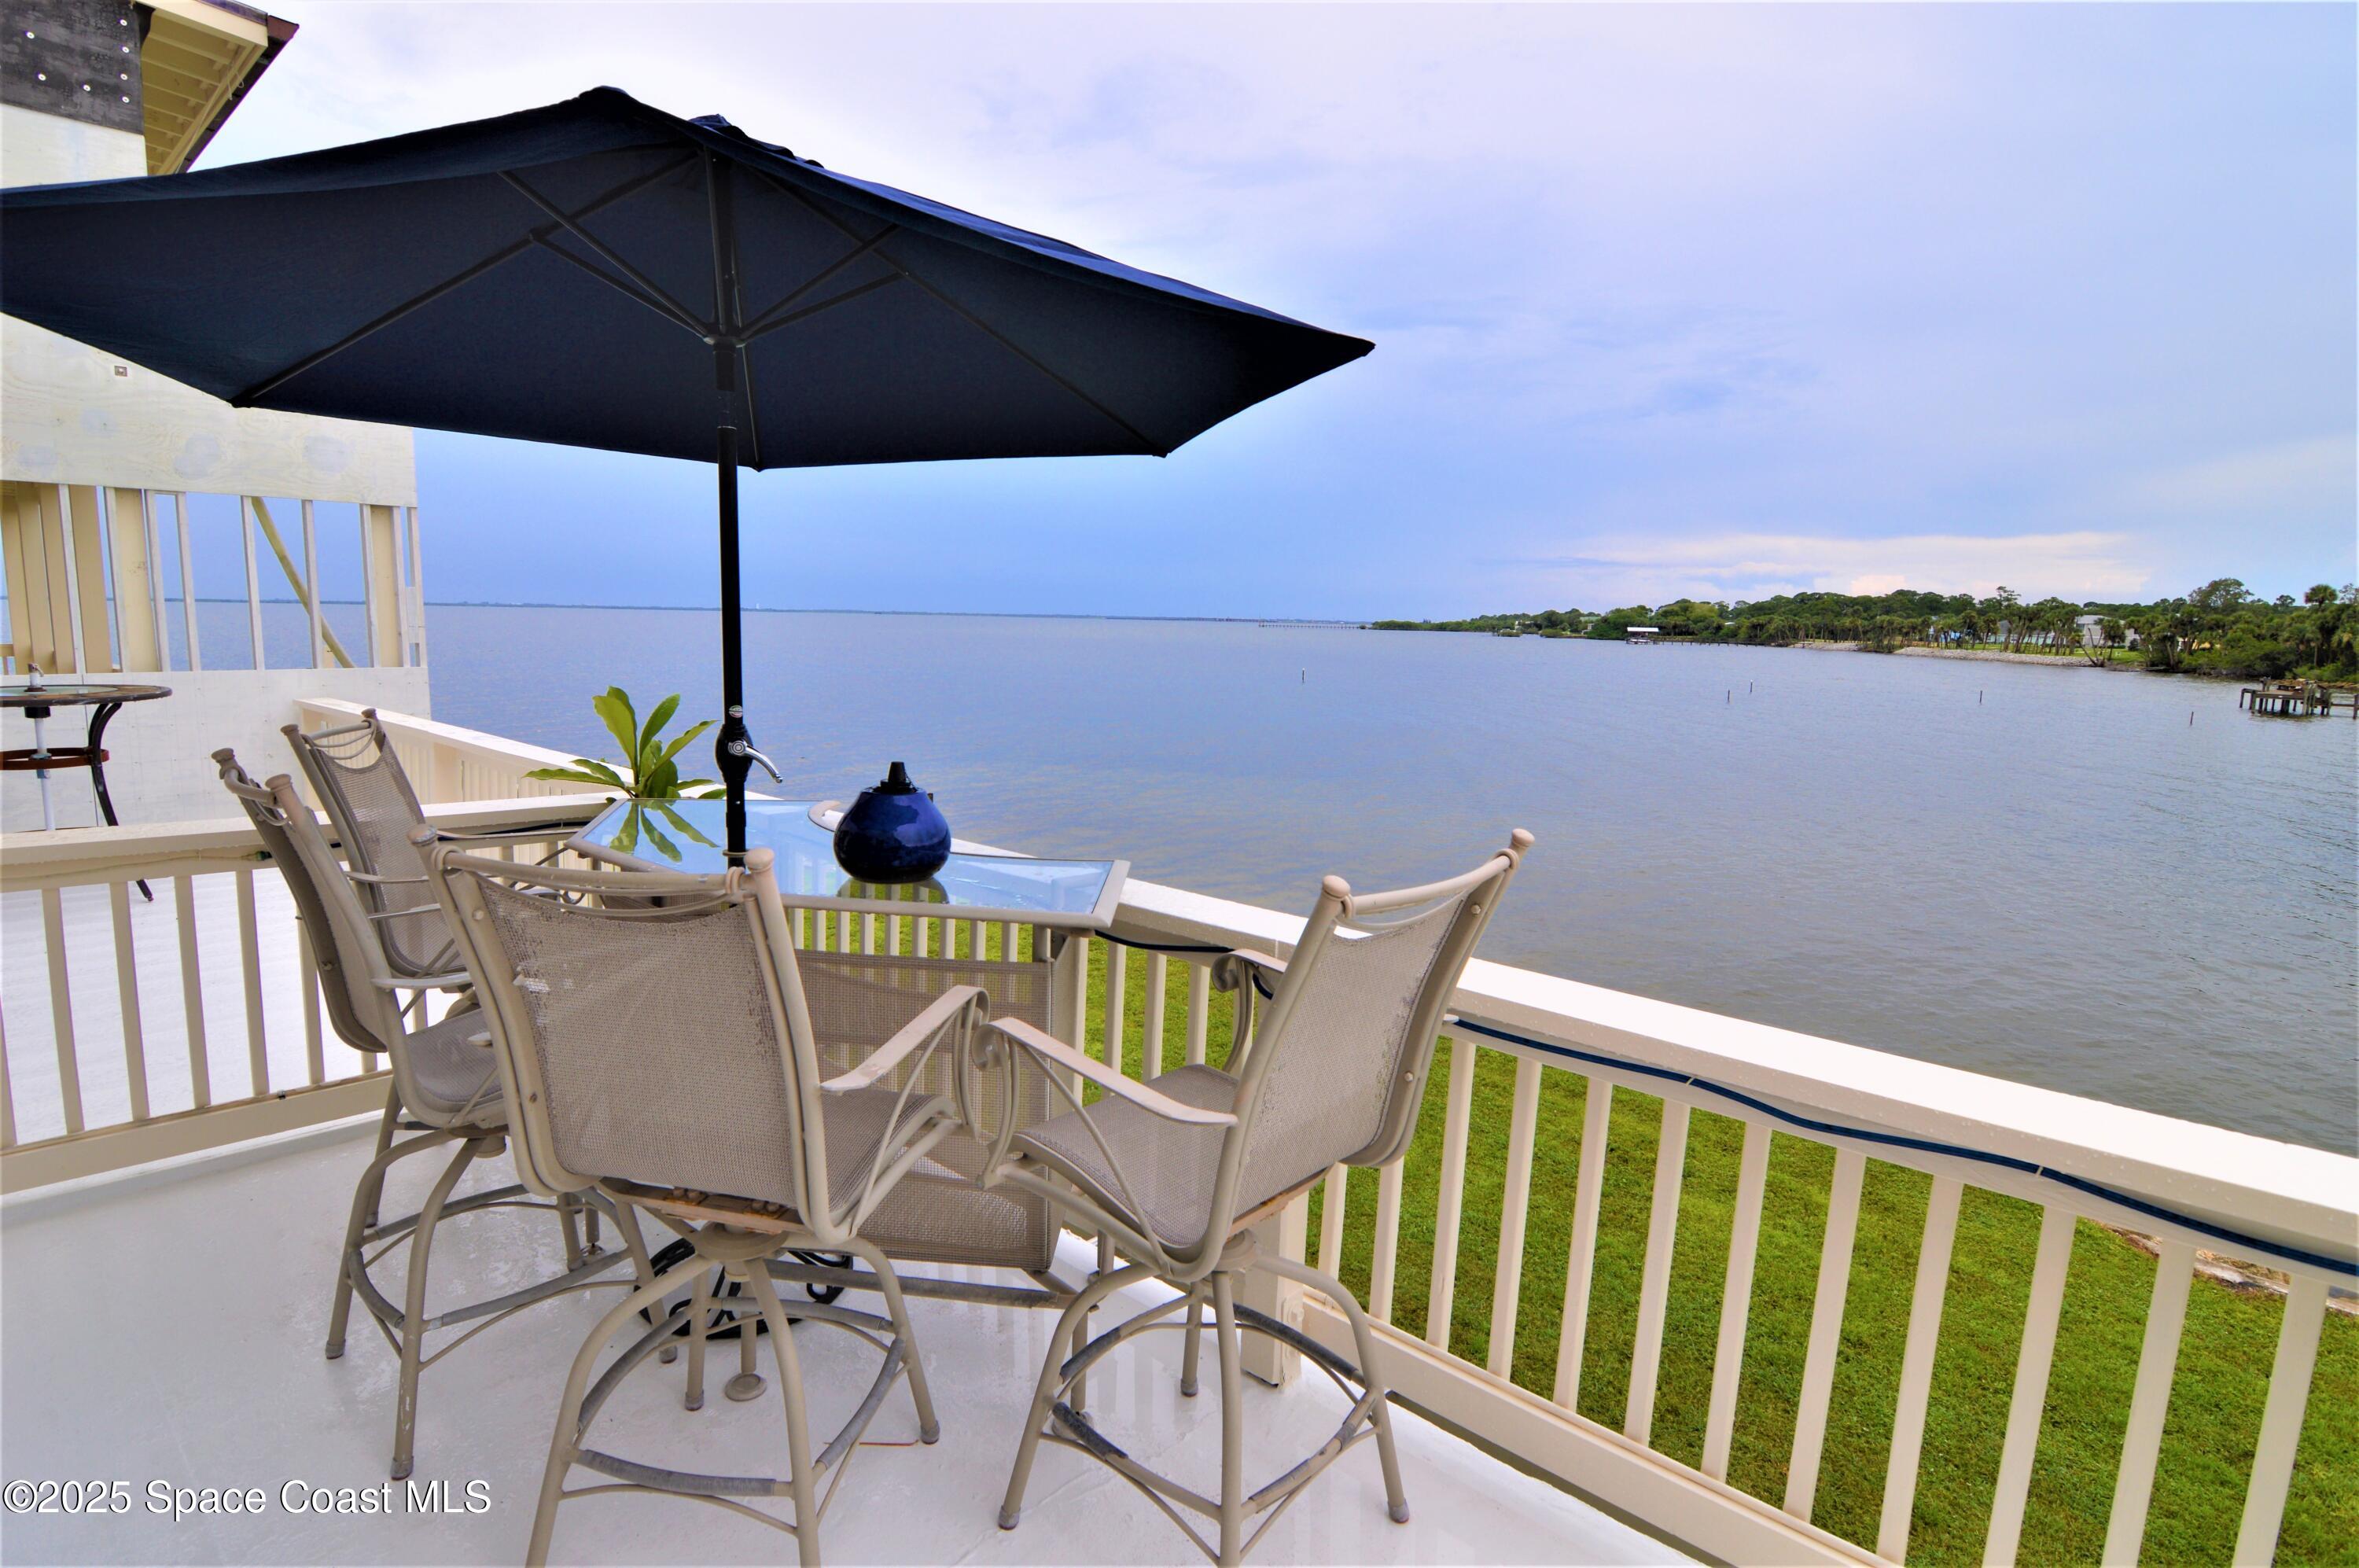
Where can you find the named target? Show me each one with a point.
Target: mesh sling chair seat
(666, 1045)
(1178, 1170)
(445, 1091)
(361, 784)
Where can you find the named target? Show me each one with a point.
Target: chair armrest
(1232, 970)
(1145, 1096)
(493, 836)
(449, 981)
(942, 1010)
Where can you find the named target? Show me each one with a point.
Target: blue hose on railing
(2238, 1239)
(2243, 1243)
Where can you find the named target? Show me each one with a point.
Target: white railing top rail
(79, 857)
(2299, 1206)
(2018, 1136)
(479, 745)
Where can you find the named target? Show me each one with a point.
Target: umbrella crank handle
(743, 747)
(737, 751)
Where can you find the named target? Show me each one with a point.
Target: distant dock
(2296, 700)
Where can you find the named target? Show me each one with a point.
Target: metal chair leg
(413, 1313)
(930, 1427)
(1044, 1393)
(643, 1268)
(790, 1388)
(569, 1224)
(699, 1314)
(364, 1200)
(1191, 1357)
(564, 1444)
(1233, 1420)
(1372, 1380)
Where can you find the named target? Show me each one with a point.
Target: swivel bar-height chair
(444, 1090)
(654, 1031)
(1179, 1169)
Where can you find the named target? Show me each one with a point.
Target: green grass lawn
(2215, 1409)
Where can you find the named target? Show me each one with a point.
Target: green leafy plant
(649, 773)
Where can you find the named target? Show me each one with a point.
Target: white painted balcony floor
(166, 1326)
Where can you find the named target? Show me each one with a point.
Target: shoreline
(1994, 656)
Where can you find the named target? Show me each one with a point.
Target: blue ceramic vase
(892, 835)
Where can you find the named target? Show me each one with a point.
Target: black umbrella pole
(732, 750)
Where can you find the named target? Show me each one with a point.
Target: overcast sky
(1712, 302)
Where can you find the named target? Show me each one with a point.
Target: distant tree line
(2221, 628)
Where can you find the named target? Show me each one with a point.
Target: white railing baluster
(126, 982)
(2029, 1405)
(1654, 1278)
(1385, 1260)
(1199, 1010)
(418, 587)
(2288, 1398)
(1159, 992)
(155, 580)
(1452, 1197)
(192, 991)
(1116, 978)
(1073, 1006)
(7, 1093)
(1508, 1283)
(1917, 1368)
(1826, 1332)
(249, 954)
(71, 559)
(1735, 1300)
(253, 578)
(1581, 1252)
(1009, 946)
(315, 1058)
(2165, 1316)
(53, 931)
(312, 581)
(1331, 1219)
(188, 581)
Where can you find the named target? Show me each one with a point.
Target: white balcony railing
(1649, 1078)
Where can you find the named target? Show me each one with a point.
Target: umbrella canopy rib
(1002, 339)
(831, 302)
(763, 322)
(687, 323)
(677, 312)
(246, 397)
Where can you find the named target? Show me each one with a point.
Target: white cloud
(2075, 566)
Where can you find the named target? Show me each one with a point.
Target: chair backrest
(361, 784)
(367, 1015)
(1336, 1069)
(650, 1027)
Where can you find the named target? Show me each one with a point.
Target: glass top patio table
(687, 835)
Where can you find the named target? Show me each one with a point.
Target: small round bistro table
(38, 701)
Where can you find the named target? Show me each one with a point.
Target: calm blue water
(2047, 875)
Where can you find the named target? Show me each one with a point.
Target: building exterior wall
(71, 415)
(74, 416)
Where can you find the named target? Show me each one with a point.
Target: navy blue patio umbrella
(598, 273)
